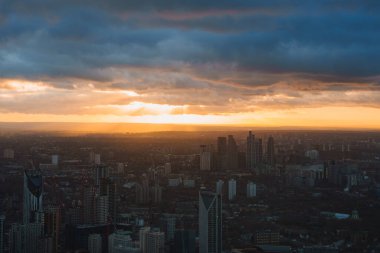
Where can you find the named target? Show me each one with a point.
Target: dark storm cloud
(99, 40)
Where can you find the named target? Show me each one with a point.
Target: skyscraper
(270, 155)
(251, 190)
(222, 158)
(32, 203)
(210, 222)
(89, 205)
(155, 241)
(121, 242)
(52, 224)
(101, 209)
(258, 152)
(250, 156)
(100, 172)
(95, 243)
(168, 225)
(25, 238)
(219, 187)
(205, 158)
(142, 237)
(232, 153)
(184, 241)
(231, 189)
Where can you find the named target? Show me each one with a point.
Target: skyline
(268, 64)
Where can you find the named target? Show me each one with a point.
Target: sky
(271, 63)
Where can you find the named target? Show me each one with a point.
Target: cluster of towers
(99, 198)
(228, 157)
(39, 230)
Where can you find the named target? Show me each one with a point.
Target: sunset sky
(267, 63)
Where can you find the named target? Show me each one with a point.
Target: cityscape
(189, 126)
(276, 191)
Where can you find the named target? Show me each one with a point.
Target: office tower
(250, 156)
(167, 225)
(121, 242)
(101, 208)
(145, 189)
(270, 152)
(205, 158)
(210, 222)
(55, 160)
(251, 190)
(112, 199)
(142, 237)
(222, 158)
(156, 193)
(232, 153)
(89, 208)
(95, 243)
(219, 187)
(155, 241)
(242, 160)
(258, 157)
(32, 203)
(25, 238)
(97, 160)
(184, 241)
(231, 189)
(2, 224)
(52, 225)
(73, 215)
(101, 172)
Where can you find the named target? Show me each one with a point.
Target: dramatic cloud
(146, 57)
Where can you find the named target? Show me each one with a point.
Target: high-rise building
(250, 156)
(219, 187)
(121, 242)
(26, 238)
(270, 155)
(184, 241)
(232, 153)
(2, 221)
(55, 159)
(32, 203)
(89, 204)
(95, 243)
(101, 172)
(155, 241)
(210, 222)
(142, 237)
(251, 190)
(145, 189)
(52, 225)
(205, 158)
(101, 208)
(231, 189)
(258, 157)
(97, 160)
(112, 200)
(222, 158)
(168, 225)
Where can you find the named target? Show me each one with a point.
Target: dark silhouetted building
(210, 222)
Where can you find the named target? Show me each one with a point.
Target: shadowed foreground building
(210, 222)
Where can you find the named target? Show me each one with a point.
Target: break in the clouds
(187, 57)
